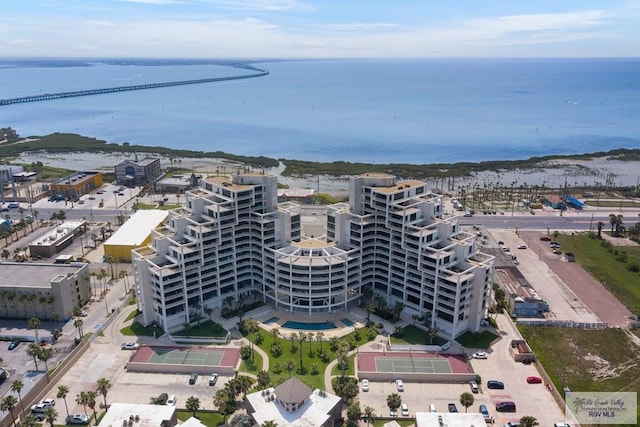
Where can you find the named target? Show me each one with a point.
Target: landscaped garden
(476, 340)
(413, 335)
(305, 355)
(207, 328)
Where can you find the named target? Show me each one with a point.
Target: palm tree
(431, 334)
(192, 404)
(78, 324)
(50, 414)
(244, 384)
(81, 399)
(63, 391)
(466, 400)
(528, 421)
(600, 226)
(394, 401)
(45, 354)
(8, 404)
(30, 421)
(33, 350)
(91, 402)
(103, 387)
(269, 423)
(17, 387)
(368, 414)
(320, 337)
(289, 365)
(275, 332)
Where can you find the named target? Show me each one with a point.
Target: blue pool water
(317, 326)
(271, 320)
(348, 323)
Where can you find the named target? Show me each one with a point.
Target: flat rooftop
(458, 419)
(314, 412)
(138, 227)
(148, 415)
(28, 275)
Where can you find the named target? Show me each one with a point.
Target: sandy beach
(574, 173)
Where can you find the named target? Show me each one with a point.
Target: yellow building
(134, 233)
(76, 185)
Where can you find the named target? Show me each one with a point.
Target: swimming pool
(348, 322)
(271, 320)
(316, 326)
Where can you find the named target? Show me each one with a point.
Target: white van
(171, 401)
(432, 408)
(405, 410)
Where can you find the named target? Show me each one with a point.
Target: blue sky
(319, 28)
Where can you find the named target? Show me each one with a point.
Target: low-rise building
(76, 185)
(57, 239)
(294, 404)
(138, 172)
(45, 291)
(134, 233)
(177, 183)
(139, 415)
(449, 419)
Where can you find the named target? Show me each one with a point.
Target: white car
(43, 405)
(365, 385)
(480, 355)
(130, 346)
(399, 385)
(474, 387)
(78, 419)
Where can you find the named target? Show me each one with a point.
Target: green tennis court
(186, 356)
(410, 364)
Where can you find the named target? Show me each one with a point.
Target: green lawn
(589, 360)
(309, 357)
(207, 418)
(337, 370)
(476, 340)
(252, 366)
(380, 423)
(413, 335)
(131, 315)
(208, 328)
(605, 265)
(136, 329)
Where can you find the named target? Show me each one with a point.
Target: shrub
(633, 266)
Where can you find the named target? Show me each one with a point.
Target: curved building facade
(233, 242)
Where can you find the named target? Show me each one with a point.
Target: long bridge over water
(90, 92)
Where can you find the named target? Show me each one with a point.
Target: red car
(534, 380)
(545, 238)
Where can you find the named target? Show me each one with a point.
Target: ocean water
(376, 111)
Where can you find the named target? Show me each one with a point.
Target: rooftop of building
(447, 419)
(314, 412)
(13, 274)
(148, 415)
(400, 186)
(226, 182)
(144, 162)
(59, 232)
(138, 227)
(75, 178)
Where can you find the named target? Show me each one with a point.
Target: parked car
(512, 424)
(545, 238)
(495, 384)
(399, 385)
(452, 407)
(13, 345)
(130, 346)
(43, 405)
(405, 410)
(78, 419)
(171, 401)
(522, 246)
(485, 412)
(534, 380)
(480, 355)
(213, 378)
(193, 378)
(506, 406)
(365, 385)
(474, 387)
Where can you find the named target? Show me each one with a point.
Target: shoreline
(549, 173)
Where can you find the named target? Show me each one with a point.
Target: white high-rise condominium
(390, 243)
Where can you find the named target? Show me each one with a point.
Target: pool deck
(335, 318)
